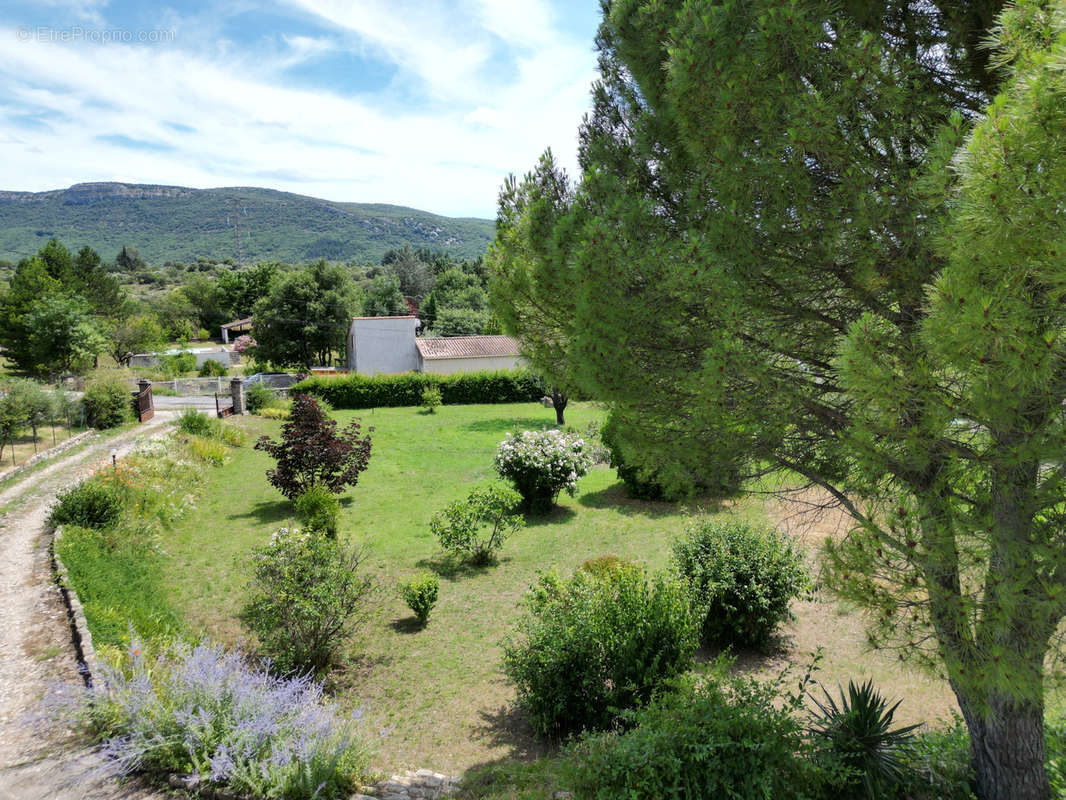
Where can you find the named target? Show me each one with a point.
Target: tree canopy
(826, 239)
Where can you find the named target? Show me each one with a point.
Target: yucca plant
(859, 732)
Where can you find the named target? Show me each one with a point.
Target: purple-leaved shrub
(208, 712)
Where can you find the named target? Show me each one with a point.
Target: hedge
(405, 389)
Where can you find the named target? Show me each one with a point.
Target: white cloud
(250, 128)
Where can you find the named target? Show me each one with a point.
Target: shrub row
(381, 391)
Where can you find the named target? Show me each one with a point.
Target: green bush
(541, 464)
(589, 647)
(663, 478)
(431, 398)
(420, 595)
(179, 363)
(257, 397)
(194, 422)
(213, 369)
(306, 599)
(859, 735)
(704, 740)
(89, 504)
(383, 391)
(936, 765)
(474, 528)
(743, 576)
(108, 403)
(317, 508)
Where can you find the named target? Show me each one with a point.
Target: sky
(429, 104)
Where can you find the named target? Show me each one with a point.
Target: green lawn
(439, 691)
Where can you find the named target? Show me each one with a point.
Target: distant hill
(174, 223)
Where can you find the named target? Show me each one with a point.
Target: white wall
(446, 366)
(384, 344)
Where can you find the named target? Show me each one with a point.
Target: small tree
(475, 527)
(311, 452)
(307, 598)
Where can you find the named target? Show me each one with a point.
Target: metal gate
(142, 401)
(221, 410)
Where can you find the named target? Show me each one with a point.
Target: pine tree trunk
(1007, 748)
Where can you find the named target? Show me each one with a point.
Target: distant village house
(389, 345)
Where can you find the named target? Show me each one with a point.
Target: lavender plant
(209, 713)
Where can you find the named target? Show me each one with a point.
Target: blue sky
(427, 104)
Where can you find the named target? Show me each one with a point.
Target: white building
(389, 345)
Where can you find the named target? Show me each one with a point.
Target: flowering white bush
(541, 464)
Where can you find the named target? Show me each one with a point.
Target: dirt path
(35, 642)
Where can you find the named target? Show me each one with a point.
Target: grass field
(439, 691)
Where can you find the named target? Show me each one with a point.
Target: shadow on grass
(615, 496)
(450, 568)
(407, 625)
(507, 726)
(773, 654)
(559, 515)
(267, 512)
(508, 424)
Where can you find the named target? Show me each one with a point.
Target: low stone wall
(422, 784)
(73, 441)
(88, 664)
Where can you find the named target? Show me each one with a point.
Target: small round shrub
(213, 369)
(108, 403)
(210, 451)
(306, 599)
(420, 595)
(203, 334)
(744, 577)
(474, 528)
(541, 464)
(317, 509)
(257, 397)
(194, 422)
(275, 412)
(89, 505)
(589, 648)
(606, 567)
(431, 398)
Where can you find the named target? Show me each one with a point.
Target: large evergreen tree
(806, 243)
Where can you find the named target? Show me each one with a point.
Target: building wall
(447, 366)
(224, 356)
(382, 345)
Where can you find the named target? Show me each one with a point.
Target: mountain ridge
(179, 223)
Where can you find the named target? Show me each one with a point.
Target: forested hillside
(177, 224)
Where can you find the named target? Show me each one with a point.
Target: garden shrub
(207, 712)
(213, 369)
(541, 464)
(195, 422)
(474, 528)
(588, 648)
(307, 598)
(274, 412)
(108, 403)
(661, 478)
(859, 735)
(383, 391)
(743, 576)
(257, 397)
(431, 398)
(606, 567)
(312, 453)
(317, 509)
(89, 504)
(718, 738)
(210, 451)
(178, 364)
(936, 764)
(420, 594)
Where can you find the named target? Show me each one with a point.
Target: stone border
(73, 441)
(79, 626)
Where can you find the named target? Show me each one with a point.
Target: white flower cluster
(543, 461)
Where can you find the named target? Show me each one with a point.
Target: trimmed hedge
(405, 389)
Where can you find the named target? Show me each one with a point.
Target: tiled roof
(467, 346)
(237, 323)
